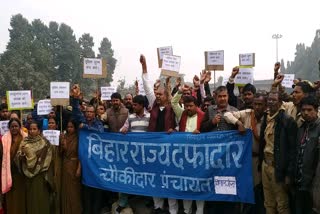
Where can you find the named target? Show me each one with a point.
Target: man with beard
(307, 157)
(247, 93)
(162, 119)
(128, 102)
(251, 119)
(190, 119)
(117, 114)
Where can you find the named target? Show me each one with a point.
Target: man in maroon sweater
(162, 119)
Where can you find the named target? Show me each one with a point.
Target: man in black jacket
(307, 154)
(277, 152)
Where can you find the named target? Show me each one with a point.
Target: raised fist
(143, 63)
(75, 91)
(142, 59)
(235, 71)
(277, 66)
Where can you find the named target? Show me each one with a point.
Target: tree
(305, 64)
(17, 61)
(106, 51)
(86, 44)
(123, 90)
(55, 48)
(68, 55)
(38, 54)
(282, 66)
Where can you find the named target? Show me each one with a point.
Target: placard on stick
(170, 65)
(19, 100)
(106, 92)
(214, 60)
(94, 68)
(244, 76)
(141, 87)
(163, 51)
(53, 136)
(288, 80)
(247, 59)
(59, 93)
(44, 107)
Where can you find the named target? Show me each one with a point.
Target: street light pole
(276, 37)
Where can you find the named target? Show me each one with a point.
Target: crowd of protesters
(39, 178)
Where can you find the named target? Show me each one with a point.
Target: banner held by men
(209, 166)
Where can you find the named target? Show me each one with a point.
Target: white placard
(171, 63)
(215, 57)
(4, 127)
(19, 100)
(244, 76)
(141, 88)
(106, 92)
(92, 66)
(246, 59)
(59, 90)
(226, 185)
(165, 51)
(44, 107)
(288, 80)
(53, 136)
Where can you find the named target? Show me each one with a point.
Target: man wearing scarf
(162, 119)
(190, 120)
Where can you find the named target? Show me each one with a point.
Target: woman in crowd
(56, 166)
(17, 115)
(52, 123)
(35, 157)
(101, 112)
(13, 181)
(71, 171)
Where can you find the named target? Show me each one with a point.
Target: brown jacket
(116, 119)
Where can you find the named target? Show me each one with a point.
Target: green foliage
(106, 51)
(86, 44)
(305, 64)
(38, 54)
(123, 89)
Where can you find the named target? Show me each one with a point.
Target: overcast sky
(191, 27)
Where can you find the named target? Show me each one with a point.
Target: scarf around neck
(38, 155)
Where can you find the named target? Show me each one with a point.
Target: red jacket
(183, 120)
